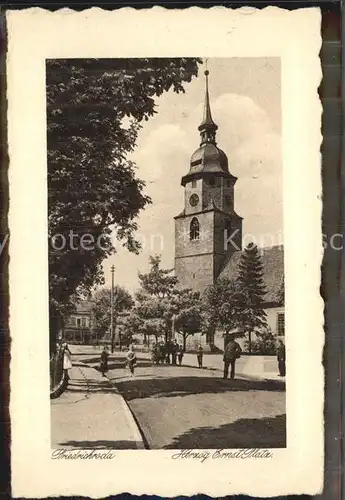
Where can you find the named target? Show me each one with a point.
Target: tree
(122, 302)
(251, 281)
(153, 301)
(95, 108)
(187, 308)
(158, 282)
(150, 312)
(127, 326)
(281, 293)
(224, 306)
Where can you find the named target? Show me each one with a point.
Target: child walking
(131, 360)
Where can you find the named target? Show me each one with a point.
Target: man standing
(180, 353)
(281, 358)
(232, 352)
(104, 361)
(199, 355)
(174, 349)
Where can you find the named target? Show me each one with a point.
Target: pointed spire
(207, 127)
(207, 119)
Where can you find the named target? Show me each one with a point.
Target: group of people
(167, 352)
(172, 353)
(130, 361)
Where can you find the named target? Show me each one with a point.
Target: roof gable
(84, 306)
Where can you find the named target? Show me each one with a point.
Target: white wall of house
(275, 319)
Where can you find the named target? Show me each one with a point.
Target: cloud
(255, 157)
(161, 151)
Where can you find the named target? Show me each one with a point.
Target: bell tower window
(193, 183)
(194, 229)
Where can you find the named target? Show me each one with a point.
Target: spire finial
(207, 127)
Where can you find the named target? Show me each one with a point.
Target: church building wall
(195, 272)
(192, 188)
(204, 244)
(194, 264)
(211, 191)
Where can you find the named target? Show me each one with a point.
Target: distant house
(79, 324)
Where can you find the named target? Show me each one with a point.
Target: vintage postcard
(165, 216)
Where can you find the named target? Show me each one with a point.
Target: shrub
(264, 343)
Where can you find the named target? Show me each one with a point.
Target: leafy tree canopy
(122, 301)
(95, 109)
(158, 282)
(187, 308)
(154, 304)
(224, 305)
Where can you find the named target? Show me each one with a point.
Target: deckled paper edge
(28, 255)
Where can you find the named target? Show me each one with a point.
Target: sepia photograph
(166, 255)
(165, 252)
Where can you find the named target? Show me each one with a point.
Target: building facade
(78, 326)
(208, 231)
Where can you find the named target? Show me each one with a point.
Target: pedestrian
(180, 354)
(67, 360)
(174, 351)
(131, 360)
(232, 352)
(167, 353)
(153, 354)
(199, 355)
(161, 352)
(104, 361)
(281, 358)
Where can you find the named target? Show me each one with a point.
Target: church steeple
(207, 128)
(208, 230)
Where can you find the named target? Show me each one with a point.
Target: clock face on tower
(194, 200)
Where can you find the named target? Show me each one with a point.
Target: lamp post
(112, 309)
(173, 327)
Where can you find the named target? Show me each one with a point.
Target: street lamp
(112, 309)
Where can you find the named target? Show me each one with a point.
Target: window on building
(194, 183)
(194, 229)
(84, 322)
(228, 183)
(72, 321)
(281, 324)
(195, 163)
(79, 322)
(212, 181)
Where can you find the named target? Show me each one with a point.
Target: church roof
(273, 265)
(208, 158)
(207, 121)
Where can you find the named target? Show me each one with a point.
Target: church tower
(208, 230)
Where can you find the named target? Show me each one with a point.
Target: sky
(245, 97)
